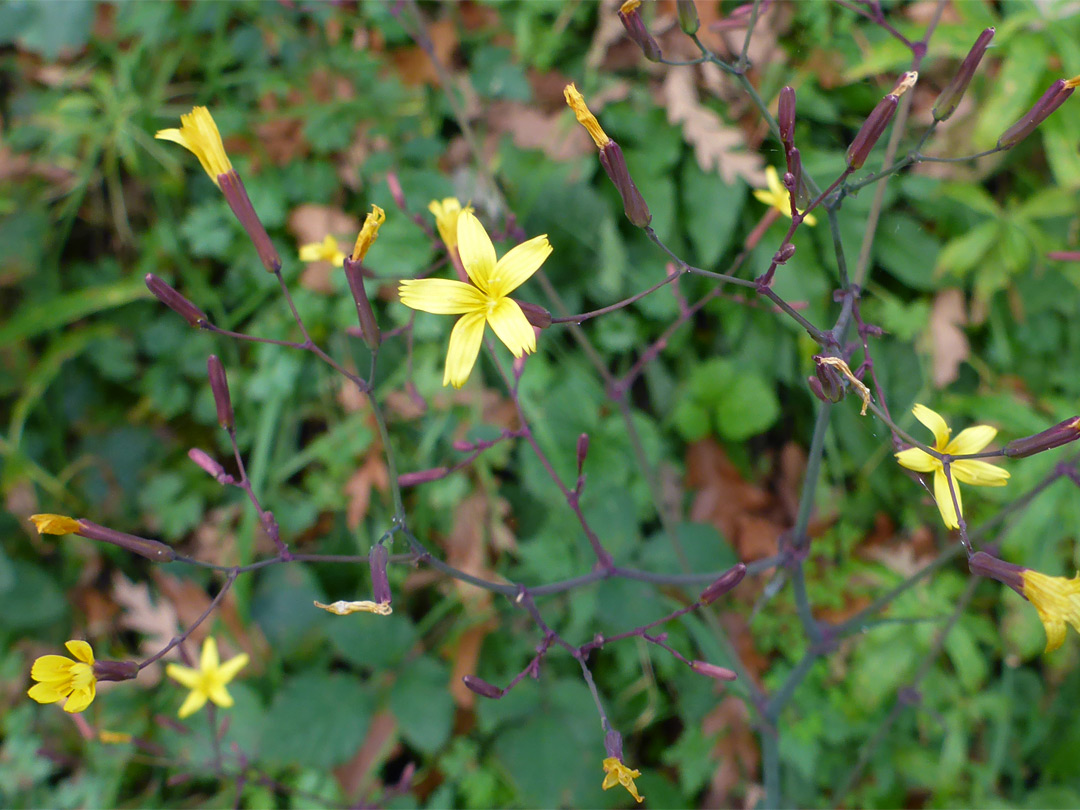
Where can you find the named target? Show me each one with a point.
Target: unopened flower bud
(150, 549)
(396, 191)
(482, 687)
(115, 670)
(870, 131)
(954, 91)
(368, 327)
(582, 450)
(237, 198)
(713, 671)
(380, 583)
(422, 476)
(219, 386)
(1059, 434)
(636, 30)
(985, 565)
(788, 181)
(784, 253)
(535, 314)
(208, 464)
(637, 211)
(726, 582)
(785, 116)
(689, 21)
(1053, 98)
(830, 383)
(613, 744)
(174, 300)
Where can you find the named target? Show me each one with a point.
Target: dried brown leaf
(948, 344)
(372, 473)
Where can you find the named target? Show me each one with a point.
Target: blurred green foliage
(104, 391)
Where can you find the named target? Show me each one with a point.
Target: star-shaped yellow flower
(59, 678)
(209, 680)
(325, 251)
(777, 196)
(619, 774)
(486, 300)
(446, 218)
(199, 134)
(1057, 600)
(969, 471)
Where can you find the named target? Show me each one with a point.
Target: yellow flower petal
(465, 340)
(772, 180)
(185, 676)
(446, 218)
(79, 699)
(937, 426)
(441, 296)
(343, 608)
(1057, 600)
(475, 249)
(512, 327)
(199, 134)
(51, 668)
(576, 102)
(55, 524)
(918, 460)
(114, 737)
(220, 695)
(81, 650)
(979, 473)
(943, 496)
(809, 219)
(971, 440)
(209, 660)
(195, 700)
(230, 668)
(764, 197)
(515, 268)
(619, 774)
(368, 233)
(49, 692)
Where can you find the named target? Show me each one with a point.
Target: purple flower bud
(614, 163)
(422, 476)
(115, 670)
(396, 192)
(870, 131)
(815, 388)
(535, 314)
(237, 198)
(482, 687)
(727, 581)
(713, 671)
(368, 327)
(463, 446)
(582, 450)
(984, 565)
(219, 386)
(380, 584)
(785, 116)
(954, 91)
(687, 14)
(208, 464)
(636, 30)
(784, 253)
(150, 549)
(613, 745)
(1059, 434)
(1053, 98)
(174, 300)
(829, 383)
(1064, 255)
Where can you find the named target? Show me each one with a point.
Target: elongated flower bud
(689, 21)
(726, 582)
(1053, 98)
(396, 191)
(582, 450)
(422, 476)
(237, 198)
(954, 91)
(115, 670)
(636, 30)
(380, 583)
(876, 122)
(150, 549)
(785, 116)
(208, 464)
(535, 314)
(1060, 434)
(713, 671)
(985, 565)
(174, 300)
(219, 386)
(482, 687)
(637, 211)
(369, 328)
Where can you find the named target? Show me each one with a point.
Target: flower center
(82, 675)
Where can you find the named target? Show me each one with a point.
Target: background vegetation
(104, 391)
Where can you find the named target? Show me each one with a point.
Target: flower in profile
(368, 233)
(199, 134)
(55, 524)
(584, 115)
(325, 251)
(1057, 600)
(446, 218)
(619, 774)
(209, 680)
(60, 678)
(343, 608)
(777, 196)
(486, 300)
(969, 471)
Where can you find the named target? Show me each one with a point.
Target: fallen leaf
(157, 622)
(413, 66)
(358, 775)
(372, 473)
(948, 344)
(736, 753)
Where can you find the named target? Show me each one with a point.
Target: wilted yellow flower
(969, 471)
(446, 217)
(486, 302)
(325, 251)
(619, 774)
(199, 134)
(368, 233)
(584, 116)
(628, 6)
(209, 680)
(55, 524)
(342, 608)
(59, 678)
(1074, 82)
(777, 196)
(114, 737)
(1057, 600)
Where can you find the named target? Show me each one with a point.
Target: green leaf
(34, 601)
(422, 705)
(749, 406)
(316, 720)
(907, 250)
(964, 252)
(712, 210)
(64, 310)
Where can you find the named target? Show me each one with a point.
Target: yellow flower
(208, 681)
(777, 196)
(446, 218)
(486, 302)
(199, 134)
(342, 608)
(619, 774)
(59, 677)
(629, 5)
(969, 471)
(55, 524)
(114, 737)
(325, 251)
(584, 116)
(1057, 600)
(368, 233)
